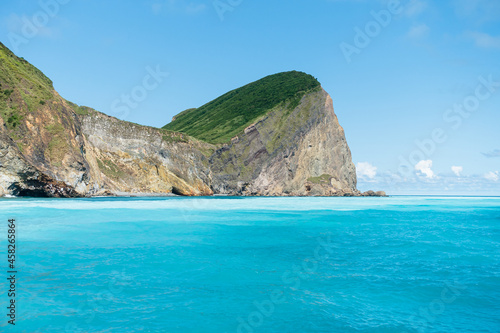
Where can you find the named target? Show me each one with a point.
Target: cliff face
(288, 152)
(51, 147)
(128, 157)
(18, 177)
(40, 136)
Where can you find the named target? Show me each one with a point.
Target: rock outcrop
(52, 147)
(288, 152)
(132, 158)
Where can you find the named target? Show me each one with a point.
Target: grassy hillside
(223, 118)
(23, 88)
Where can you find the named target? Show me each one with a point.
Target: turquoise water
(401, 264)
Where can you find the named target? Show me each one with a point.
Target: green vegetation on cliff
(23, 87)
(227, 116)
(27, 99)
(323, 179)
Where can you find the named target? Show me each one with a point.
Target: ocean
(400, 264)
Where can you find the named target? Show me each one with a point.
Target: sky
(415, 83)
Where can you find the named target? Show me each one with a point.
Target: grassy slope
(225, 117)
(23, 88)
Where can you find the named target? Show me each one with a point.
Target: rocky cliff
(133, 158)
(283, 141)
(302, 151)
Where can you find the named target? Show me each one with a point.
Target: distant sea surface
(399, 264)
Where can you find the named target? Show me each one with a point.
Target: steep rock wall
(133, 158)
(288, 152)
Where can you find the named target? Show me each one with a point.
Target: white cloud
(365, 169)
(457, 170)
(424, 167)
(418, 31)
(440, 184)
(484, 40)
(493, 176)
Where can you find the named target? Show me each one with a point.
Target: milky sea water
(399, 264)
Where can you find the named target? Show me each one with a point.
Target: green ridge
(228, 115)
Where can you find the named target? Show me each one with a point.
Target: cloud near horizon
(493, 176)
(440, 184)
(365, 169)
(457, 170)
(424, 168)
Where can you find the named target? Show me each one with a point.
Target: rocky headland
(278, 136)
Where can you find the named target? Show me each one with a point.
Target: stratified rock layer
(133, 158)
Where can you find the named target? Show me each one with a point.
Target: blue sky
(415, 84)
